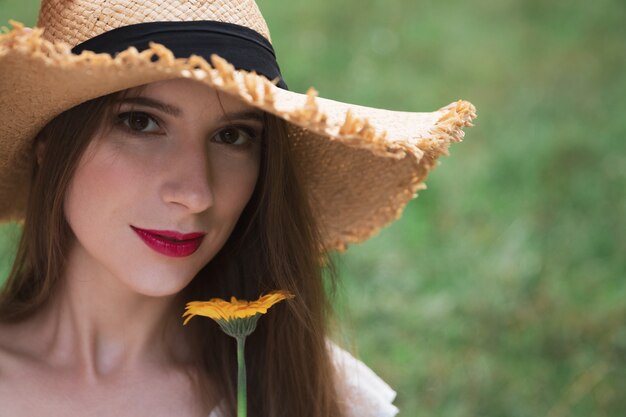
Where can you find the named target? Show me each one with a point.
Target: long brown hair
(275, 245)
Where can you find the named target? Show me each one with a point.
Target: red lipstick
(170, 243)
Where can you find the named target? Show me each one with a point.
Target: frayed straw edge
(447, 129)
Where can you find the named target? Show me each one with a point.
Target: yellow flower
(235, 317)
(217, 308)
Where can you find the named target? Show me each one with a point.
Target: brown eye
(139, 122)
(233, 136)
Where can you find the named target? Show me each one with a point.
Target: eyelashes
(235, 135)
(144, 124)
(139, 122)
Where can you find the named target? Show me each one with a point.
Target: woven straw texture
(74, 22)
(361, 165)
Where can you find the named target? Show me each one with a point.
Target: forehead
(190, 96)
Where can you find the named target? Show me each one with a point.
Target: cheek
(102, 185)
(85, 190)
(234, 181)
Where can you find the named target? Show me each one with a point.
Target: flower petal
(218, 309)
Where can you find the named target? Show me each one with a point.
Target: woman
(149, 179)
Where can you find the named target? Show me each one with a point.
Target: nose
(188, 180)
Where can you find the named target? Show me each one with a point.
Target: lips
(170, 243)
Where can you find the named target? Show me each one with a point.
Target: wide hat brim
(360, 165)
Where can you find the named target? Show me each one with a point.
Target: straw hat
(361, 165)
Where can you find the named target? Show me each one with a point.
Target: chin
(160, 284)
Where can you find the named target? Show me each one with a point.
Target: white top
(367, 394)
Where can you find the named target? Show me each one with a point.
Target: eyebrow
(155, 104)
(255, 115)
(243, 115)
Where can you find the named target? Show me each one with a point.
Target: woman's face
(160, 188)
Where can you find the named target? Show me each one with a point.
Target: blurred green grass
(501, 291)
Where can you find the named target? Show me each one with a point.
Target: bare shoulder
(18, 345)
(10, 349)
(11, 367)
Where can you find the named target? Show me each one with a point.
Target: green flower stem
(241, 378)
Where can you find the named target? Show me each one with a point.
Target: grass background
(502, 290)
